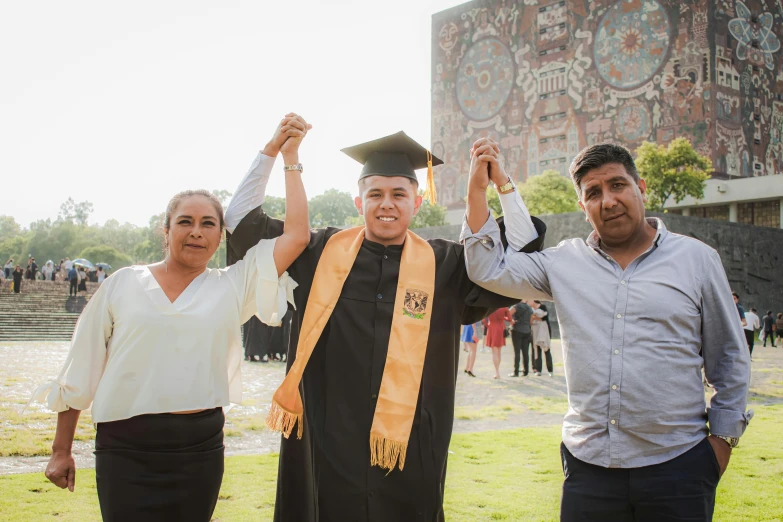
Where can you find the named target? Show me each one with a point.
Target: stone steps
(42, 312)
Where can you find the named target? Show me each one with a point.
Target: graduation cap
(395, 155)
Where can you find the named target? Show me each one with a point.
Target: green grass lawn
(500, 475)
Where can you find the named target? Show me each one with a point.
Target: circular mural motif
(485, 79)
(633, 122)
(631, 42)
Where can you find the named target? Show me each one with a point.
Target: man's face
(736, 299)
(388, 204)
(613, 203)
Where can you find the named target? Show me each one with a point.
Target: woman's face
(194, 232)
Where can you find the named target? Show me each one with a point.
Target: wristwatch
(505, 189)
(731, 441)
(297, 166)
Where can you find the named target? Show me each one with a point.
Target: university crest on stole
(415, 305)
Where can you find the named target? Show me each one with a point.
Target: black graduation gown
(326, 476)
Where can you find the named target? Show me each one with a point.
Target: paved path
(482, 403)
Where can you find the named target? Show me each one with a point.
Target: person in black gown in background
(326, 475)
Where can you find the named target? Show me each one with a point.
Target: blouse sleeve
(261, 292)
(78, 381)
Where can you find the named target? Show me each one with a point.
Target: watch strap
(505, 189)
(297, 166)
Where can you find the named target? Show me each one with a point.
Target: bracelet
(297, 167)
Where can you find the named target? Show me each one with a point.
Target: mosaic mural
(548, 77)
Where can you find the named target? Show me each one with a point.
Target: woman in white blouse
(157, 354)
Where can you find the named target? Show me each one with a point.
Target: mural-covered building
(548, 77)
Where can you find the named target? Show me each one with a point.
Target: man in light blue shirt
(641, 310)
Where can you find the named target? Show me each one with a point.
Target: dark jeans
(537, 359)
(72, 289)
(770, 337)
(750, 337)
(521, 342)
(682, 489)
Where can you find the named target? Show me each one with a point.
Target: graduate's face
(194, 232)
(388, 204)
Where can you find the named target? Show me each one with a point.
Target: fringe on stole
(387, 453)
(284, 421)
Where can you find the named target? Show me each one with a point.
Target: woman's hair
(177, 199)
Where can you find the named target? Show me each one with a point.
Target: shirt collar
(594, 241)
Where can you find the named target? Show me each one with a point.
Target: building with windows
(547, 78)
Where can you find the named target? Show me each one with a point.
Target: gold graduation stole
(396, 405)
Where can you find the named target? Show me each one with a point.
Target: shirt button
(619, 316)
(613, 421)
(614, 386)
(616, 352)
(380, 296)
(622, 282)
(385, 256)
(374, 396)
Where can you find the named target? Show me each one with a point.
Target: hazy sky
(125, 104)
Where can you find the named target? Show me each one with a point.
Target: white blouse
(134, 352)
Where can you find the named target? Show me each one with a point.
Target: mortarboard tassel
(430, 194)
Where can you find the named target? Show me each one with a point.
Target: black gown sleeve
(258, 225)
(479, 303)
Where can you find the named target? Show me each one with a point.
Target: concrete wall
(752, 256)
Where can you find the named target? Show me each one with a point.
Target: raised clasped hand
(484, 164)
(288, 135)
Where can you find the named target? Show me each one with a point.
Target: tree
(9, 228)
(223, 195)
(548, 193)
(275, 207)
(429, 216)
(106, 254)
(331, 209)
(77, 213)
(672, 172)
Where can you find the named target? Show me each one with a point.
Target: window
(543, 140)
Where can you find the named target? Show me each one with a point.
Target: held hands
(288, 136)
(484, 164)
(61, 470)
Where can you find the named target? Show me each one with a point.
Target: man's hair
(753, 310)
(413, 182)
(735, 294)
(596, 156)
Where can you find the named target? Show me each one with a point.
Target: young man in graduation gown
(367, 406)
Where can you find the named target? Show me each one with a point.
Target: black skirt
(161, 467)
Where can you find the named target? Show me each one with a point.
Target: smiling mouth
(613, 217)
(387, 219)
(196, 246)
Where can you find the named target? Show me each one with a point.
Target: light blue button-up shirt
(634, 340)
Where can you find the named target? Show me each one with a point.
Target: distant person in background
(18, 274)
(779, 326)
(740, 309)
(496, 338)
(541, 339)
(73, 278)
(101, 275)
(82, 280)
(470, 338)
(67, 264)
(768, 327)
(521, 336)
(33, 268)
(752, 323)
(8, 268)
